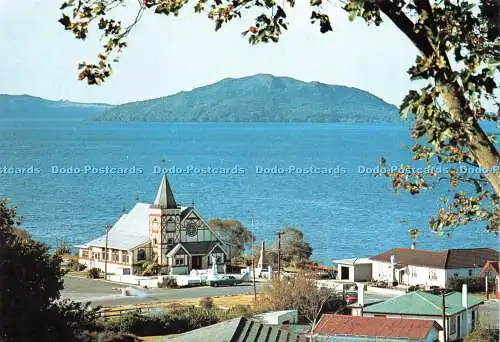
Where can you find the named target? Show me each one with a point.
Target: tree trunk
(482, 149)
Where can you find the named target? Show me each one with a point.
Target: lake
(316, 177)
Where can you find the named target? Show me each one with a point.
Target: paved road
(104, 293)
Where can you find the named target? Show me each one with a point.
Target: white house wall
(413, 275)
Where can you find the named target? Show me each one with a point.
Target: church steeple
(165, 197)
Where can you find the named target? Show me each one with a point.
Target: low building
(491, 270)
(278, 317)
(176, 237)
(429, 268)
(333, 328)
(461, 310)
(353, 270)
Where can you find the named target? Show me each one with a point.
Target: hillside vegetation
(259, 98)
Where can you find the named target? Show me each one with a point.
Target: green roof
(423, 303)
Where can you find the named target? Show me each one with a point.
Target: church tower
(164, 221)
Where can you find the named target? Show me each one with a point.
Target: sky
(169, 54)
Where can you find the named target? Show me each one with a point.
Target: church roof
(131, 230)
(165, 197)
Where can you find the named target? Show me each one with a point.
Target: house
(176, 236)
(332, 328)
(353, 270)
(491, 270)
(429, 268)
(239, 329)
(461, 310)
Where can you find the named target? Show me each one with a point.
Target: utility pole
(106, 231)
(253, 269)
(279, 254)
(445, 335)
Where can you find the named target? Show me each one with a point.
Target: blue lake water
(344, 214)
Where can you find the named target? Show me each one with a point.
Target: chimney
(465, 302)
(361, 294)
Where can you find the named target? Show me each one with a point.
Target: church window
(179, 260)
(170, 242)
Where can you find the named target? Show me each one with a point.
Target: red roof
(490, 264)
(332, 325)
(447, 259)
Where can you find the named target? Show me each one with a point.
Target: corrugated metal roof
(422, 303)
(332, 325)
(241, 330)
(129, 231)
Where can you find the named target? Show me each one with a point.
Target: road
(105, 293)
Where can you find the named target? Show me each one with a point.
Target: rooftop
(241, 330)
(353, 261)
(447, 259)
(423, 303)
(334, 325)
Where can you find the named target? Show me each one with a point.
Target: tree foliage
(302, 294)
(233, 232)
(294, 248)
(458, 58)
(30, 285)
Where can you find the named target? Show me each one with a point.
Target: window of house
(141, 255)
(105, 256)
(115, 256)
(452, 323)
(432, 275)
(125, 257)
(414, 272)
(470, 273)
(97, 256)
(85, 253)
(170, 242)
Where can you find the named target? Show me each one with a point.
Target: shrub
(474, 284)
(62, 249)
(168, 282)
(93, 273)
(482, 334)
(207, 303)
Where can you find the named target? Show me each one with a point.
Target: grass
(222, 301)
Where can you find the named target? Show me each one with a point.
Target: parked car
(224, 281)
(351, 297)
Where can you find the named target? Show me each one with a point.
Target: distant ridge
(27, 106)
(259, 98)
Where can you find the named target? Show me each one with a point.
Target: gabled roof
(238, 329)
(380, 327)
(165, 197)
(423, 304)
(417, 257)
(491, 265)
(470, 257)
(174, 250)
(447, 259)
(131, 230)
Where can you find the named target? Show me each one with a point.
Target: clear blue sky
(168, 54)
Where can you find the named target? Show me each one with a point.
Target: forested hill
(259, 98)
(30, 107)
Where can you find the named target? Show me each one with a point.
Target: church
(176, 236)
